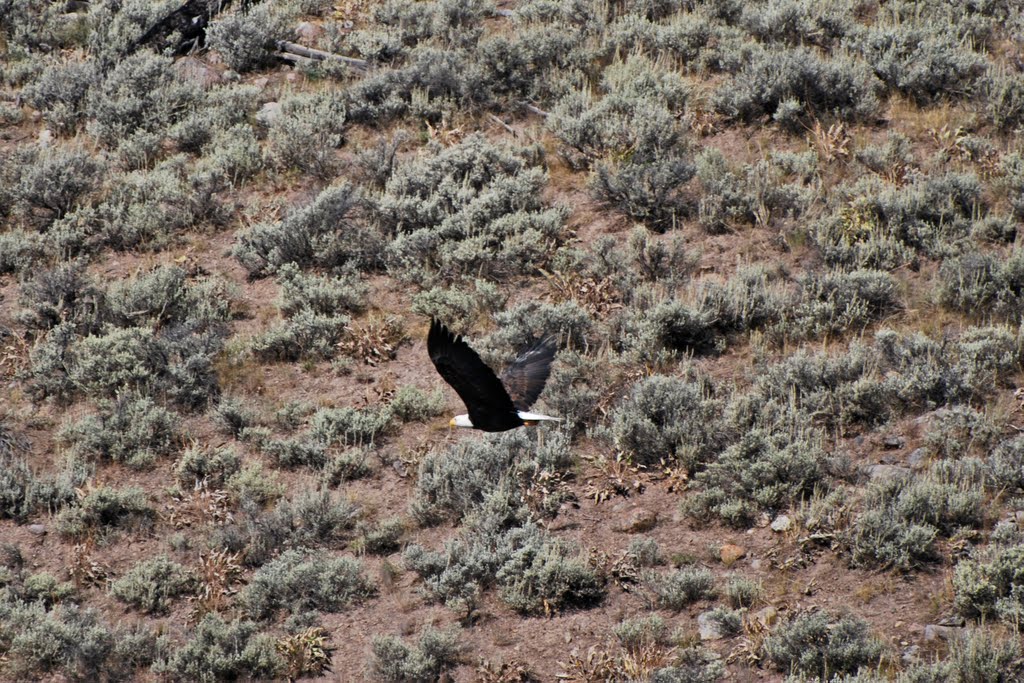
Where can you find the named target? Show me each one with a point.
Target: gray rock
(911, 655)
(888, 472)
(708, 627)
(308, 33)
(918, 458)
(232, 76)
(894, 442)
(782, 523)
(934, 632)
(37, 529)
(268, 113)
(45, 138)
(194, 70)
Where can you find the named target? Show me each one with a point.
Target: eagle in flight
(494, 405)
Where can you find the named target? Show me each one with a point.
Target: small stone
(731, 552)
(755, 564)
(708, 627)
(937, 632)
(918, 458)
(911, 655)
(308, 32)
(45, 138)
(640, 521)
(1019, 516)
(782, 523)
(893, 442)
(232, 76)
(766, 616)
(268, 113)
(887, 472)
(37, 529)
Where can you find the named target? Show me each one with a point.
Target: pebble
(782, 523)
(731, 552)
(37, 529)
(640, 521)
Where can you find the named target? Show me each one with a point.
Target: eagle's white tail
(536, 417)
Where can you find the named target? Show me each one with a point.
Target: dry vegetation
(776, 242)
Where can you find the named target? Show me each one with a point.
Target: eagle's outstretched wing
(524, 378)
(486, 399)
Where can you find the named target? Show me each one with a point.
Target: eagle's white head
(461, 421)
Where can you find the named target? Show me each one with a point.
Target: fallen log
(287, 47)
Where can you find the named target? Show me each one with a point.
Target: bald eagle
(495, 405)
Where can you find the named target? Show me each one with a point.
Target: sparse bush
(222, 650)
(152, 585)
(325, 234)
(132, 429)
(245, 39)
(902, 519)
(682, 587)
(233, 417)
(434, 654)
(347, 465)
(924, 61)
(635, 634)
(23, 492)
(1004, 98)
(644, 552)
(412, 405)
(763, 472)
(771, 79)
(205, 464)
(668, 419)
(293, 581)
(104, 508)
(742, 592)
(471, 209)
(383, 538)
(141, 92)
(817, 645)
(46, 589)
(834, 302)
(304, 335)
(311, 519)
(982, 284)
(349, 426)
(56, 179)
(323, 295)
(454, 482)
(306, 132)
(253, 484)
(991, 583)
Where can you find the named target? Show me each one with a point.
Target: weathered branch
(504, 125)
(535, 110)
(309, 53)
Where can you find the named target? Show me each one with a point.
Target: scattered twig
(504, 125)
